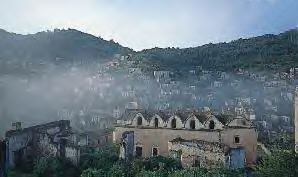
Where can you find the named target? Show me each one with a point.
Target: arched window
(173, 123)
(156, 122)
(211, 125)
(192, 124)
(139, 121)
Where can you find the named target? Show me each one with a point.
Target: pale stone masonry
(154, 130)
(198, 152)
(45, 140)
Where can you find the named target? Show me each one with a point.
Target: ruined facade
(99, 138)
(296, 119)
(127, 148)
(197, 152)
(154, 130)
(51, 139)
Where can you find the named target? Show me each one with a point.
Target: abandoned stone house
(197, 152)
(99, 138)
(201, 153)
(202, 133)
(51, 139)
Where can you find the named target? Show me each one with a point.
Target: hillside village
(264, 98)
(86, 104)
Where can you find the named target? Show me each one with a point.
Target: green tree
(278, 164)
(160, 162)
(54, 167)
(202, 172)
(103, 159)
(91, 172)
(116, 171)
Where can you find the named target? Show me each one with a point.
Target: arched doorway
(156, 122)
(139, 122)
(192, 124)
(211, 125)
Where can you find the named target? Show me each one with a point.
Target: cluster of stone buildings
(46, 140)
(265, 97)
(195, 137)
(22, 146)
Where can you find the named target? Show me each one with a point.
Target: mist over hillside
(67, 74)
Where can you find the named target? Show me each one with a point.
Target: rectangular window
(106, 139)
(155, 151)
(139, 151)
(197, 162)
(236, 139)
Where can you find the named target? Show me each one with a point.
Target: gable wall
(248, 140)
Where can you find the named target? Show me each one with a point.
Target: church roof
(165, 115)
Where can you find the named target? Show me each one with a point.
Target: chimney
(132, 105)
(17, 126)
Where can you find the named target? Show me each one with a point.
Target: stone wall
(16, 146)
(25, 145)
(247, 140)
(73, 154)
(147, 138)
(203, 155)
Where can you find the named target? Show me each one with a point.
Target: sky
(141, 24)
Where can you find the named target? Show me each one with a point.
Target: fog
(75, 92)
(66, 94)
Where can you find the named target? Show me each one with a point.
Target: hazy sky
(143, 24)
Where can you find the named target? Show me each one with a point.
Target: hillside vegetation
(267, 52)
(62, 44)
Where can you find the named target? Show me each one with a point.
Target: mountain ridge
(267, 51)
(58, 43)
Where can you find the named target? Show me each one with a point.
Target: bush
(12, 173)
(201, 172)
(54, 167)
(160, 162)
(103, 159)
(91, 172)
(279, 164)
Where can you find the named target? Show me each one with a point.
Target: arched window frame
(174, 123)
(156, 122)
(211, 125)
(192, 124)
(139, 121)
